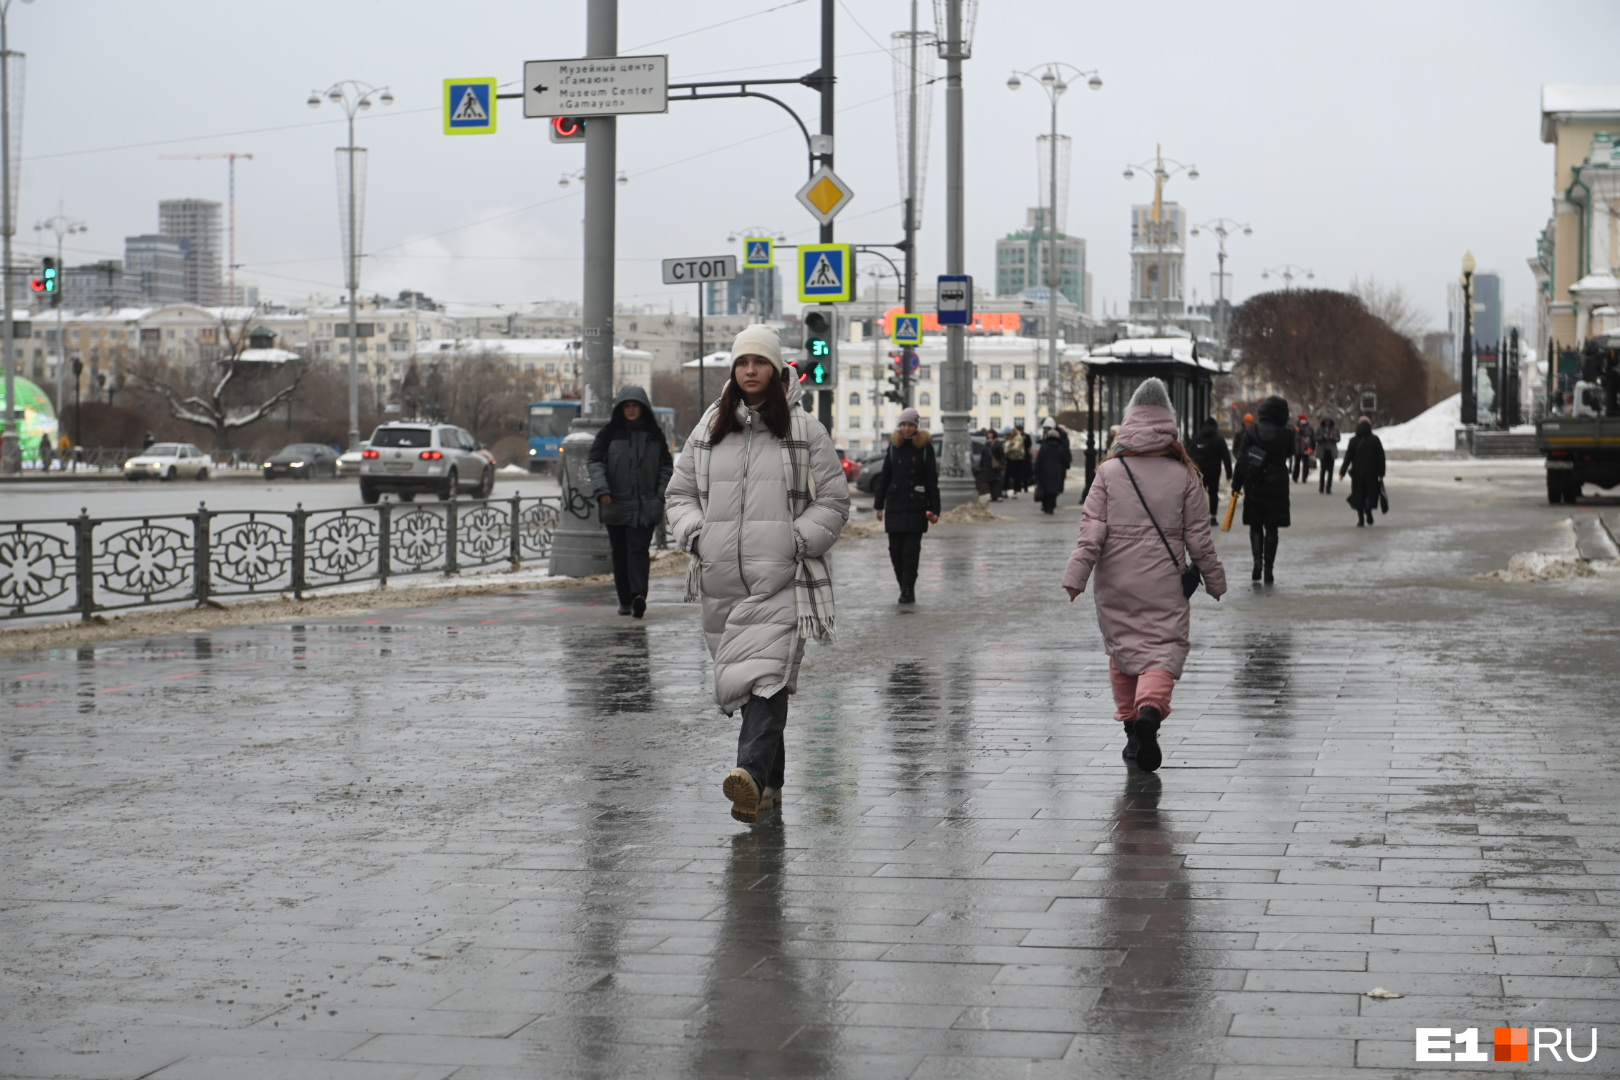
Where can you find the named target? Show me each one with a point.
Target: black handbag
(1191, 576)
(1383, 498)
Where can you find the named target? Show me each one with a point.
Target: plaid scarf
(812, 583)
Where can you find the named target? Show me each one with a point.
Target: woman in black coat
(1052, 466)
(1261, 473)
(629, 466)
(907, 499)
(1364, 461)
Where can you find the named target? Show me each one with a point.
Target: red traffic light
(794, 364)
(38, 284)
(567, 129)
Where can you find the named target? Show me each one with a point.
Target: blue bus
(550, 421)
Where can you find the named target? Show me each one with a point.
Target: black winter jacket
(1211, 453)
(1364, 460)
(632, 463)
(1052, 467)
(1265, 487)
(908, 488)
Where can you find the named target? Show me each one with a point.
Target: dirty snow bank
(1433, 429)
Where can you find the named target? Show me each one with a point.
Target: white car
(168, 461)
(348, 463)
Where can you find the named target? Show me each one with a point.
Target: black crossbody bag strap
(1168, 550)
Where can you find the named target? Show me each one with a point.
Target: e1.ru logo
(1511, 1044)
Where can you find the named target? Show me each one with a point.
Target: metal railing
(87, 565)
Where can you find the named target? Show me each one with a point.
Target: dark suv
(406, 458)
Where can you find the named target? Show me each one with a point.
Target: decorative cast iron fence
(89, 565)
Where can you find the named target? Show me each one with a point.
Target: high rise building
(1488, 308)
(158, 265)
(754, 292)
(197, 222)
(99, 285)
(1158, 260)
(1022, 262)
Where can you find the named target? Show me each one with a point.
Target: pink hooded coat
(1140, 609)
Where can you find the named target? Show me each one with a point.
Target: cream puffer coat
(749, 545)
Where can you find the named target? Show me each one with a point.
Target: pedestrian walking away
(1261, 473)
(1052, 465)
(629, 467)
(1327, 451)
(47, 453)
(1017, 455)
(1364, 461)
(1213, 456)
(1142, 518)
(758, 500)
(906, 498)
(1304, 448)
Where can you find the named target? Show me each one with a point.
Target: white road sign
(690, 271)
(603, 86)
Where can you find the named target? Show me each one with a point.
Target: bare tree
(224, 395)
(1324, 349)
(1390, 303)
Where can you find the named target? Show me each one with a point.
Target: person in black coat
(906, 498)
(1212, 455)
(1364, 461)
(629, 466)
(1261, 473)
(1052, 466)
(1327, 452)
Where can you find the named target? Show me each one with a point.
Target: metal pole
(828, 57)
(580, 545)
(955, 387)
(10, 443)
(1051, 270)
(910, 299)
(703, 401)
(354, 287)
(1470, 409)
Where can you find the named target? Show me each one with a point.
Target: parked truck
(1581, 444)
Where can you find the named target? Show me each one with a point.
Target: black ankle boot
(1131, 745)
(1148, 755)
(1257, 547)
(1271, 554)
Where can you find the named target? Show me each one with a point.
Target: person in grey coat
(629, 466)
(758, 499)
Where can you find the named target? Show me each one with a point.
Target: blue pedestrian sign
(907, 330)
(955, 300)
(826, 273)
(469, 106)
(759, 253)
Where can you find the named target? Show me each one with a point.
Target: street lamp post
(1288, 272)
(1163, 169)
(62, 225)
(1053, 79)
(352, 96)
(1222, 227)
(10, 442)
(1470, 404)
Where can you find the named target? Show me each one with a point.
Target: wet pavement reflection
(485, 839)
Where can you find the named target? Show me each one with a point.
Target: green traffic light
(819, 373)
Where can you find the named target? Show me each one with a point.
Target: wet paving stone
(486, 839)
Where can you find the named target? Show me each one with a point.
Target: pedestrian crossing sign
(826, 273)
(469, 106)
(759, 253)
(907, 330)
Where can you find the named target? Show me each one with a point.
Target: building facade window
(925, 398)
(1018, 399)
(995, 399)
(995, 371)
(1018, 372)
(855, 399)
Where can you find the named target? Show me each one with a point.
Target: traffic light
(50, 282)
(896, 390)
(820, 350)
(567, 129)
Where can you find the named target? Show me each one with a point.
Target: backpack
(1015, 447)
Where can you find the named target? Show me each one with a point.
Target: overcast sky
(1376, 138)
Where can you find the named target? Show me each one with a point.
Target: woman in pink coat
(1140, 608)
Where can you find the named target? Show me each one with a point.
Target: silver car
(168, 461)
(408, 458)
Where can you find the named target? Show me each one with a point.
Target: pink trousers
(1131, 692)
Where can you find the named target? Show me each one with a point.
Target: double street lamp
(1163, 169)
(1222, 228)
(1288, 272)
(1054, 79)
(353, 97)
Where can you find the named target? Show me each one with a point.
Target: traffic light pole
(580, 545)
(956, 384)
(10, 442)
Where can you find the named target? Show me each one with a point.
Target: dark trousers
(1302, 467)
(1048, 502)
(1263, 543)
(630, 560)
(1324, 481)
(759, 743)
(1212, 484)
(905, 552)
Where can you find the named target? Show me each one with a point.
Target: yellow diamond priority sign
(824, 195)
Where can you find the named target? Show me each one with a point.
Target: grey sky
(1375, 138)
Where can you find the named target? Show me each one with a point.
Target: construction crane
(230, 158)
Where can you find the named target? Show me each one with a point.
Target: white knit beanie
(1151, 393)
(758, 340)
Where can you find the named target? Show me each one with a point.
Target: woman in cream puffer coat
(750, 546)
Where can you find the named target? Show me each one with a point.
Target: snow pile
(1433, 429)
